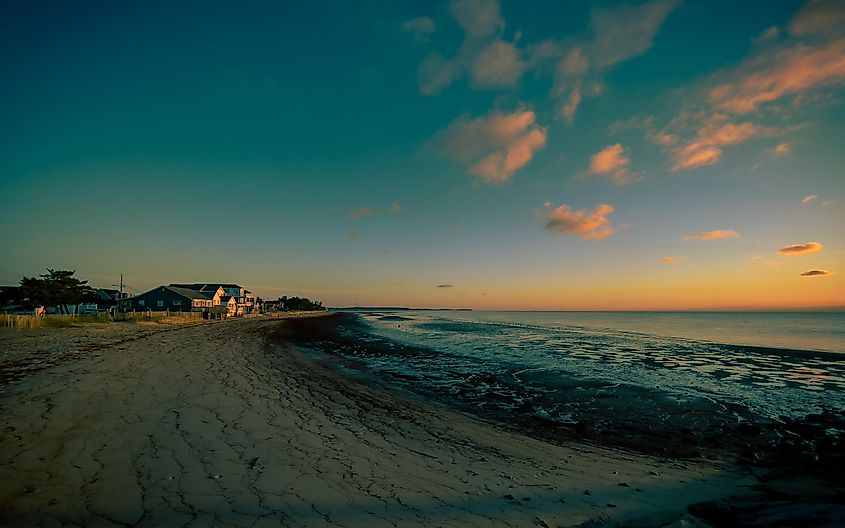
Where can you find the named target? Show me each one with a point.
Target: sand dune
(216, 425)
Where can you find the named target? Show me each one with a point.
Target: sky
(659, 155)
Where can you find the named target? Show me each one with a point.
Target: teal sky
(528, 155)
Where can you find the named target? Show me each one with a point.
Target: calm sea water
(772, 364)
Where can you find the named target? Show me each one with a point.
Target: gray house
(170, 298)
(244, 299)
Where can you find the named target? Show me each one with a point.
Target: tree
(302, 304)
(55, 288)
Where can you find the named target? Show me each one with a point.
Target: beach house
(244, 299)
(170, 298)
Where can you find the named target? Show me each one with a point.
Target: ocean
(680, 379)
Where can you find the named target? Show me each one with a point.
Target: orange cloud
(691, 158)
(361, 212)
(589, 225)
(808, 199)
(784, 73)
(718, 234)
(716, 132)
(815, 273)
(782, 149)
(444, 286)
(501, 166)
(672, 260)
(800, 249)
(495, 146)
(611, 161)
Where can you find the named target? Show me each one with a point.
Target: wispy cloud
(769, 34)
(612, 162)
(781, 149)
(445, 286)
(781, 74)
(717, 131)
(478, 18)
(818, 17)
(437, 72)
(672, 260)
(361, 212)
(800, 249)
(395, 207)
(421, 28)
(489, 61)
(815, 273)
(627, 31)
(808, 199)
(589, 225)
(784, 71)
(353, 235)
(618, 34)
(719, 234)
(578, 66)
(494, 146)
(498, 65)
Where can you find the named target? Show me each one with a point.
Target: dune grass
(29, 322)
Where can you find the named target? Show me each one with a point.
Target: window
(140, 302)
(160, 303)
(177, 303)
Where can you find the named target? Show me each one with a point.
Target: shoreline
(231, 424)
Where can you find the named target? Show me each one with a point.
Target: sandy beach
(217, 424)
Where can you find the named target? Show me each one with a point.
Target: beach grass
(29, 322)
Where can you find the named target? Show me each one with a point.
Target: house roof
(195, 286)
(225, 299)
(206, 286)
(185, 292)
(107, 293)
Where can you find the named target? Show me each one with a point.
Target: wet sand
(228, 424)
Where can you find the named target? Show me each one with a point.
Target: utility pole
(121, 285)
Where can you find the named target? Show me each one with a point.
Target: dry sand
(215, 425)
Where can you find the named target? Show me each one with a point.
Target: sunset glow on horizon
(613, 155)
